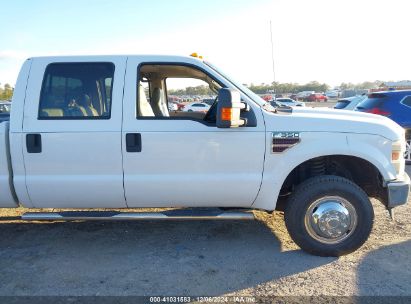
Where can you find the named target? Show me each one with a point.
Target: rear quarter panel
(7, 196)
(15, 136)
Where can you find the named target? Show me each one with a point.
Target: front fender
(277, 166)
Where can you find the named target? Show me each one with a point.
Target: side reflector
(395, 155)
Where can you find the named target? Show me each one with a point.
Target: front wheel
(329, 216)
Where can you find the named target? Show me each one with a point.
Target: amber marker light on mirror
(226, 113)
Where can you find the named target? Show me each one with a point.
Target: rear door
(72, 133)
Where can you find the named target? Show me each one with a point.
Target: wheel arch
(273, 185)
(366, 174)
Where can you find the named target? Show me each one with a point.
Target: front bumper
(398, 192)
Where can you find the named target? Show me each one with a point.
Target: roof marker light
(195, 55)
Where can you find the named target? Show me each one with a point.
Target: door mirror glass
(229, 108)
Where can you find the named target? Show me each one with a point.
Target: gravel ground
(255, 258)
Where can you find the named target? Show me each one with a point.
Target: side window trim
(48, 88)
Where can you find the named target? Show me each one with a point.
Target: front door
(72, 133)
(174, 155)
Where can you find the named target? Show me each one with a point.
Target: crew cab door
(71, 137)
(175, 158)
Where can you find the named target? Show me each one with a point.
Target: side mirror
(229, 107)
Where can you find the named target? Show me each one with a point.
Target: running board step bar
(128, 216)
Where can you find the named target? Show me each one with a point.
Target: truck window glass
(77, 91)
(175, 92)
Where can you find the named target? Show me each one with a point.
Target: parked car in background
(209, 101)
(395, 105)
(196, 107)
(267, 97)
(172, 106)
(349, 103)
(290, 102)
(5, 107)
(276, 104)
(332, 94)
(303, 95)
(180, 106)
(316, 97)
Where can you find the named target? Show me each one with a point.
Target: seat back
(143, 106)
(52, 112)
(49, 108)
(85, 103)
(158, 104)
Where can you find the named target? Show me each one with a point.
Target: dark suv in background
(394, 104)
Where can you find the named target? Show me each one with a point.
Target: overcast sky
(327, 41)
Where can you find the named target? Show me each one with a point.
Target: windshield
(239, 86)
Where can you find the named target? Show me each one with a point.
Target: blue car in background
(396, 105)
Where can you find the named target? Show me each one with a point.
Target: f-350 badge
(284, 140)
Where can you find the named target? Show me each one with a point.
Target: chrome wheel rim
(331, 219)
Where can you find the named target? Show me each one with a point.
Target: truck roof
(146, 57)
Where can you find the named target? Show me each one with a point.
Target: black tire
(319, 187)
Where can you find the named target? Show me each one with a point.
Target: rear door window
(373, 101)
(77, 91)
(341, 104)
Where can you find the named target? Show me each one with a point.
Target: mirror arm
(245, 122)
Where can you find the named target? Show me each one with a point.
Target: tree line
(281, 88)
(6, 92)
(198, 90)
(259, 89)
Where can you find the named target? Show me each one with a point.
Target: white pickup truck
(96, 132)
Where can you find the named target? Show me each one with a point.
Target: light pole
(272, 58)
